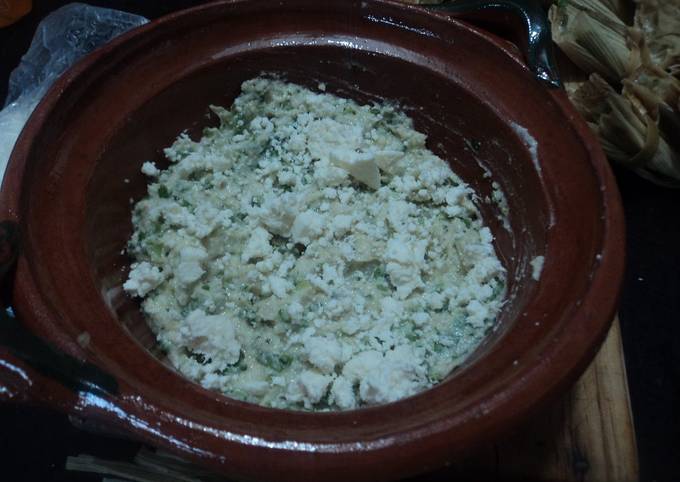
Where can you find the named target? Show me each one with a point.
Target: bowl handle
(28, 364)
(527, 23)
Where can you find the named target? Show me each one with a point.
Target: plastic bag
(63, 37)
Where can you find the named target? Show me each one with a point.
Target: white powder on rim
(530, 142)
(537, 267)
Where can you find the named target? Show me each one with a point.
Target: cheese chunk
(361, 167)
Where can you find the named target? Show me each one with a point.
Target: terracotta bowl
(76, 170)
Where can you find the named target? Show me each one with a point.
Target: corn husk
(621, 8)
(653, 88)
(595, 39)
(571, 87)
(606, 8)
(657, 93)
(638, 125)
(627, 132)
(659, 22)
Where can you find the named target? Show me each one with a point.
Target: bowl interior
(461, 128)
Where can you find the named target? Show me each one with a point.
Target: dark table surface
(34, 443)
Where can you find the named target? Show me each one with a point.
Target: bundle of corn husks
(631, 97)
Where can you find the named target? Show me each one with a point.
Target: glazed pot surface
(76, 169)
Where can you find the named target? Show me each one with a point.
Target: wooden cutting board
(588, 436)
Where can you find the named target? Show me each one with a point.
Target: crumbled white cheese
(189, 271)
(307, 226)
(143, 278)
(308, 388)
(386, 377)
(312, 253)
(214, 335)
(278, 214)
(342, 394)
(324, 353)
(257, 246)
(150, 169)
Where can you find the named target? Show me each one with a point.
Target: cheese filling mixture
(311, 253)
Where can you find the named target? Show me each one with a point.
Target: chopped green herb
(199, 357)
(284, 316)
(239, 366)
(276, 362)
(163, 191)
